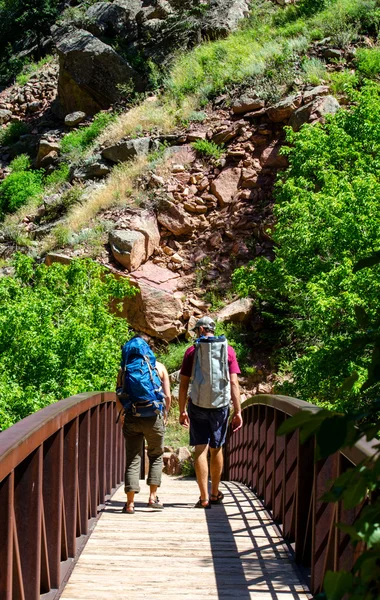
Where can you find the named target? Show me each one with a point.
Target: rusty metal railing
(57, 467)
(284, 475)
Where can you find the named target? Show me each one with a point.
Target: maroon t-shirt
(187, 363)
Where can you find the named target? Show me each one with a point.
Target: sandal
(156, 504)
(128, 510)
(216, 499)
(199, 504)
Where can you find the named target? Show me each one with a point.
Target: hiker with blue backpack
(211, 368)
(143, 401)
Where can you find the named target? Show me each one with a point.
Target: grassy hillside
(309, 297)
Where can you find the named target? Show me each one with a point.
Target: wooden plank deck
(232, 551)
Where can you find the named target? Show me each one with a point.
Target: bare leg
(153, 492)
(216, 468)
(201, 470)
(130, 501)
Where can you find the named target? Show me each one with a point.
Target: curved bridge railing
(284, 475)
(57, 467)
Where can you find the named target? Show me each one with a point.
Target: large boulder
(225, 186)
(155, 310)
(159, 9)
(128, 248)
(127, 149)
(174, 218)
(246, 104)
(73, 119)
(94, 168)
(44, 149)
(237, 312)
(132, 247)
(271, 157)
(144, 222)
(113, 19)
(5, 116)
(90, 72)
(314, 111)
(223, 16)
(283, 109)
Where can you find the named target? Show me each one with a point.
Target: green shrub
(20, 163)
(310, 7)
(57, 335)
(20, 186)
(266, 51)
(240, 339)
(172, 356)
(215, 299)
(58, 176)
(81, 139)
(198, 116)
(368, 62)
(327, 219)
(12, 132)
(315, 70)
(366, 16)
(209, 149)
(343, 82)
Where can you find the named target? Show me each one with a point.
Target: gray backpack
(210, 377)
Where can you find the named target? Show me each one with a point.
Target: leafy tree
(23, 23)
(328, 218)
(334, 431)
(36, 18)
(57, 334)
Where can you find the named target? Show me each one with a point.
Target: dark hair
(143, 336)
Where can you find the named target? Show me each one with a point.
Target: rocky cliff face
(109, 49)
(200, 218)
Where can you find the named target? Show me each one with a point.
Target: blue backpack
(141, 393)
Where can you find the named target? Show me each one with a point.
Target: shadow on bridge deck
(233, 551)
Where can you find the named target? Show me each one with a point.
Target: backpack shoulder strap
(151, 371)
(195, 357)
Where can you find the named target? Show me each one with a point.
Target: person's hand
(237, 421)
(184, 419)
(166, 418)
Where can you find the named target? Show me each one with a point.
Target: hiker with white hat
(210, 366)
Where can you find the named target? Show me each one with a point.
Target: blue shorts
(208, 425)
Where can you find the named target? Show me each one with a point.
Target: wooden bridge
(63, 534)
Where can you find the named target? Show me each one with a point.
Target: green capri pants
(135, 429)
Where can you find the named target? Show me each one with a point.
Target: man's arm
(182, 400)
(237, 420)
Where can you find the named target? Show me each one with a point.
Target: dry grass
(117, 191)
(153, 113)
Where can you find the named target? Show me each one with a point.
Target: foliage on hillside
(327, 209)
(57, 334)
(23, 24)
(266, 54)
(21, 185)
